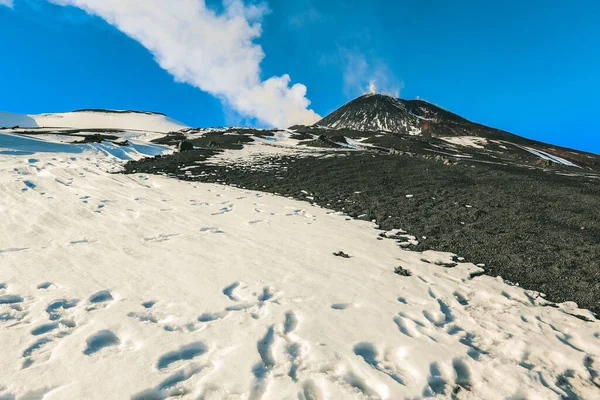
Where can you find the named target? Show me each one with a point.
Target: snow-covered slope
(95, 119)
(145, 287)
(12, 144)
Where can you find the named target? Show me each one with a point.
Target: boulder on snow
(341, 254)
(402, 271)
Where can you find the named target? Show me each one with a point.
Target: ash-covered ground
(538, 227)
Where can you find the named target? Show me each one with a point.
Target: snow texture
(145, 287)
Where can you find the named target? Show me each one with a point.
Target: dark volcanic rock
(381, 113)
(99, 138)
(402, 272)
(324, 142)
(224, 139)
(341, 254)
(185, 145)
(105, 111)
(301, 136)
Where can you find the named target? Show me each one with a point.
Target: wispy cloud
(213, 51)
(308, 15)
(302, 13)
(7, 3)
(364, 74)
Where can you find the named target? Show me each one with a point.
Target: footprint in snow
(436, 382)
(37, 352)
(211, 230)
(173, 385)
(256, 222)
(57, 308)
(82, 241)
(407, 326)
(160, 238)
(291, 323)
(439, 319)
(12, 308)
(267, 294)
(100, 300)
(44, 328)
(230, 289)
(14, 250)
(223, 211)
(312, 391)
(462, 373)
(209, 317)
(143, 317)
(46, 286)
(149, 304)
(49, 333)
(100, 341)
(10, 299)
(296, 350)
(342, 306)
(369, 353)
(462, 299)
(184, 353)
(263, 370)
(29, 186)
(164, 320)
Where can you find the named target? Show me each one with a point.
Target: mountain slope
(373, 112)
(376, 112)
(95, 119)
(388, 122)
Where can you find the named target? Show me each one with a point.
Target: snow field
(145, 287)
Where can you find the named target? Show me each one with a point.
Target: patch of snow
(135, 121)
(467, 141)
(549, 157)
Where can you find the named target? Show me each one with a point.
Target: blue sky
(529, 67)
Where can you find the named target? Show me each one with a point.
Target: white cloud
(214, 52)
(367, 75)
(7, 3)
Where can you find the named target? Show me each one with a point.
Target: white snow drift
(145, 287)
(101, 119)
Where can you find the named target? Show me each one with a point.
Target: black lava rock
(341, 254)
(402, 272)
(184, 145)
